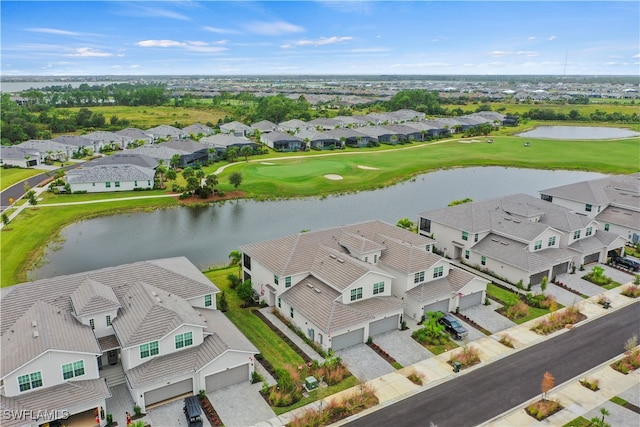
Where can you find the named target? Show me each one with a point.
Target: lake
(207, 234)
(578, 132)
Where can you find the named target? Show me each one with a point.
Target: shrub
(540, 300)
(631, 291)
(415, 377)
(593, 385)
(137, 410)
(256, 377)
(558, 320)
(543, 409)
(628, 363)
(517, 311)
(506, 340)
(468, 356)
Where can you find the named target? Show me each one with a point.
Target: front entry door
(112, 357)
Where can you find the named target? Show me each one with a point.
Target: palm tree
(211, 181)
(235, 257)
(232, 153)
(246, 151)
(161, 171)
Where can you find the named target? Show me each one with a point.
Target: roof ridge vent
(340, 260)
(317, 290)
(309, 285)
(36, 334)
(504, 243)
(332, 256)
(34, 323)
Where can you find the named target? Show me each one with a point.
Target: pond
(578, 132)
(207, 234)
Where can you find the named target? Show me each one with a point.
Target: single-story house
(381, 134)
(124, 158)
(293, 126)
(19, 156)
(198, 129)
(193, 152)
(351, 121)
(49, 149)
(264, 126)
(281, 141)
(342, 285)
(221, 142)
(351, 138)
(108, 140)
(110, 177)
(166, 132)
(136, 135)
(322, 123)
(519, 238)
(79, 141)
(155, 321)
(318, 140)
(236, 129)
(406, 115)
(405, 133)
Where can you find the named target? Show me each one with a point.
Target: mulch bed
(382, 353)
(210, 412)
(472, 323)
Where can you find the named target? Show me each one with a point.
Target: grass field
(25, 238)
(148, 117)
(305, 175)
(10, 176)
(584, 110)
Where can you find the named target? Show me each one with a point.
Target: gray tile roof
(198, 128)
(40, 328)
(186, 145)
(478, 217)
(339, 270)
(264, 126)
(17, 152)
(314, 135)
(135, 134)
(441, 288)
(620, 216)
(157, 151)
(329, 315)
(110, 173)
(44, 145)
(345, 133)
(359, 244)
(68, 395)
(149, 314)
(163, 131)
(619, 190)
(93, 297)
(108, 137)
(225, 140)
(296, 253)
(126, 158)
(279, 136)
(78, 141)
(235, 125)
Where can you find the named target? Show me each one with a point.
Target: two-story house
(518, 237)
(155, 321)
(343, 285)
(613, 201)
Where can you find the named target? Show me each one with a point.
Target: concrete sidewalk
(395, 386)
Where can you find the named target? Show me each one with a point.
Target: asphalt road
(480, 395)
(17, 190)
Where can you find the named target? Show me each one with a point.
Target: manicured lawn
(439, 349)
(320, 393)
(578, 422)
(294, 177)
(10, 176)
(271, 346)
(509, 297)
(48, 198)
(24, 240)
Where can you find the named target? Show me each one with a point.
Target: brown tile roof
(109, 342)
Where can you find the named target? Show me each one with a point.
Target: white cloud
(503, 53)
(53, 31)
(527, 53)
(273, 28)
(532, 38)
(88, 52)
(500, 53)
(220, 30)
(637, 55)
(194, 46)
(552, 38)
(318, 42)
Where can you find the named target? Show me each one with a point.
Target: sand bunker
(266, 163)
(333, 177)
(468, 141)
(367, 167)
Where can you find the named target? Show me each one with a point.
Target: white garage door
(442, 306)
(226, 378)
(383, 325)
(588, 259)
(168, 392)
(347, 340)
(471, 300)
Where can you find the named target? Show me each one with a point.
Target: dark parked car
(453, 326)
(629, 263)
(192, 411)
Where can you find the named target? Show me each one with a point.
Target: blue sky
(319, 37)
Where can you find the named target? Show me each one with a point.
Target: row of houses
(155, 322)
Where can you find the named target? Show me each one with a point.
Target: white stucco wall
(50, 364)
(100, 187)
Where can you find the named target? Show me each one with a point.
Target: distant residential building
(113, 177)
(19, 156)
(236, 128)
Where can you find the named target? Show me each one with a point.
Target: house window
(287, 282)
(29, 381)
(465, 235)
(576, 235)
(279, 302)
(208, 300)
(375, 258)
(366, 259)
(117, 184)
(425, 225)
(438, 272)
(92, 324)
(246, 261)
(149, 349)
(587, 207)
(483, 260)
(149, 182)
(378, 288)
(589, 231)
(538, 245)
(291, 312)
(135, 183)
(466, 254)
(74, 369)
(108, 318)
(552, 241)
(418, 277)
(606, 227)
(475, 237)
(107, 184)
(356, 294)
(184, 340)
(275, 279)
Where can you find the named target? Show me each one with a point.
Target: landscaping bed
(558, 320)
(209, 410)
(543, 409)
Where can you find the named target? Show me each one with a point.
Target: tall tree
(235, 179)
(547, 384)
(246, 151)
